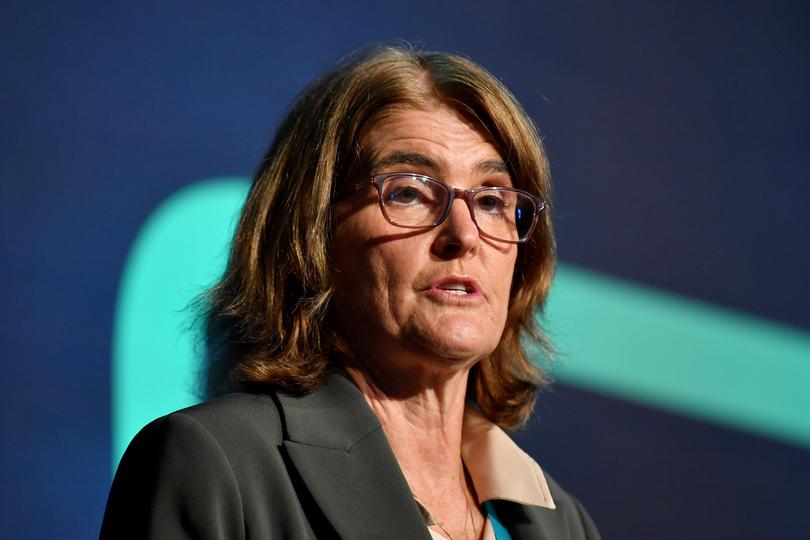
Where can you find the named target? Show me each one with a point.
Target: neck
(422, 411)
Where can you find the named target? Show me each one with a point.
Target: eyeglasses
(415, 201)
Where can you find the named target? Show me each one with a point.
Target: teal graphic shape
(614, 337)
(683, 355)
(180, 250)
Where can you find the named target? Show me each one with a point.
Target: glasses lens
(413, 201)
(504, 214)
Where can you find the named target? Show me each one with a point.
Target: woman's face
(394, 295)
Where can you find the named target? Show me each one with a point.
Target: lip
(436, 288)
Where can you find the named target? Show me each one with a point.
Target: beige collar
(499, 469)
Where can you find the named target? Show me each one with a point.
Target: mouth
(459, 287)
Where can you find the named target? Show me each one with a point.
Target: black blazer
(273, 465)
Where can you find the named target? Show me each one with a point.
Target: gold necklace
(470, 505)
(446, 533)
(469, 518)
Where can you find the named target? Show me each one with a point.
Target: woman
(391, 255)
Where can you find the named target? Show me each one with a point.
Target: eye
(408, 191)
(492, 203)
(405, 195)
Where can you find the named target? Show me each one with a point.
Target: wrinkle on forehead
(373, 158)
(436, 163)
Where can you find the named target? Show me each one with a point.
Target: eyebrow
(493, 165)
(406, 158)
(427, 162)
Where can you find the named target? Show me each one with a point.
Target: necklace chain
(469, 518)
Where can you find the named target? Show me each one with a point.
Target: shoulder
(570, 513)
(196, 466)
(228, 426)
(569, 520)
(567, 502)
(232, 431)
(240, 414)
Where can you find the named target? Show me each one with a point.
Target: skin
(413, 343)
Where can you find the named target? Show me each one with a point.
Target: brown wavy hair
(266, 321)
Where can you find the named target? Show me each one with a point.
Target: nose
(458, 234)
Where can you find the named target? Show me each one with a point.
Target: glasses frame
(467, 195)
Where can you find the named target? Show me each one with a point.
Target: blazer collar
(339, 449)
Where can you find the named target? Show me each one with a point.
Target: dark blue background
(678, 134)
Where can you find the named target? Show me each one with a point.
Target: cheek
(502, 268)
(349, 240)
(369, 272)
(396, 268)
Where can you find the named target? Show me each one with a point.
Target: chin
(459, 343)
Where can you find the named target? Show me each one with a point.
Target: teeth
(455, 288)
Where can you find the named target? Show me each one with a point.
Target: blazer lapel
(518, 522)
(340, 451)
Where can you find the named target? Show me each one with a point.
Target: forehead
(435, 138)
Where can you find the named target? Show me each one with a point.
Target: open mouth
(458, 289)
